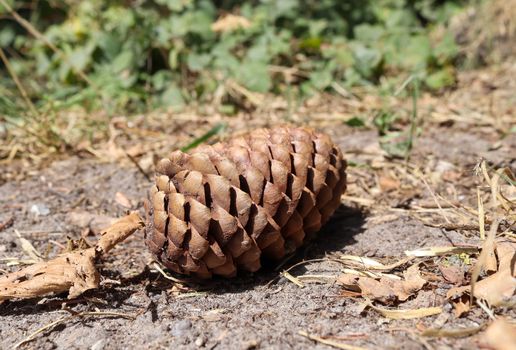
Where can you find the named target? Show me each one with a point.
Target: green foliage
(166, 53)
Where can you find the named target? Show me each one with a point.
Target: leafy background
(141, 55)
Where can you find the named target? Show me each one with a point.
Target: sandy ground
(260, 310)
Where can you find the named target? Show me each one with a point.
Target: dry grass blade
(439, 251)
(481, 216)
(451, 333)
(292, 279)
(28, 248)
(406, 314)
(330, 342)
(74, 272)
(372, 264)
(64, 319)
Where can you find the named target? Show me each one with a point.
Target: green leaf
(7, 35)
(254, 76)
(173, 97)
(321, 79)
(368, 33)
(355, 122)
(197, 62)
(446, 49)
(123, 61)
(441, 78)
(367, 60)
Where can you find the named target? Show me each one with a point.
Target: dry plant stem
(74, 272)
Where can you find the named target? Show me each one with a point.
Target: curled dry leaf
(461, 306)
(499, 287)
(230, 23)
(74, 272)
(385, 289)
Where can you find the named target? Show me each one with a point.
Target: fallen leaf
(500, 335)
(388, 183)
(407, 314)
(74, 272)
(452, 274)
(122, 199)
(499, 287)
(461, 306)
(230, 23)
(385, 289)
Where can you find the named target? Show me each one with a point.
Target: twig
(140, 169)
(7, 223)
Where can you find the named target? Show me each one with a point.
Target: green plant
(104, 54)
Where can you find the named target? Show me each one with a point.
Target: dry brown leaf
(452, 274)
(122, 199)
(461, 306)
(230, 23)
(385, 289)
(499, 287)
(500, 335)
(74, 272)
(388, 183)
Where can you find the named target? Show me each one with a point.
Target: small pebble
(181, 328)
(39, 209)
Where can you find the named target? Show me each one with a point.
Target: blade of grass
(413, 118)
(217, 129)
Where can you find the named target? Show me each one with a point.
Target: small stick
(6, 223)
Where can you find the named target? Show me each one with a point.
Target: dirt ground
(387, 210)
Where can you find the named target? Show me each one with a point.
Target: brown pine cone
(224, 206)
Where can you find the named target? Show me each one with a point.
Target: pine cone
(223, 207)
